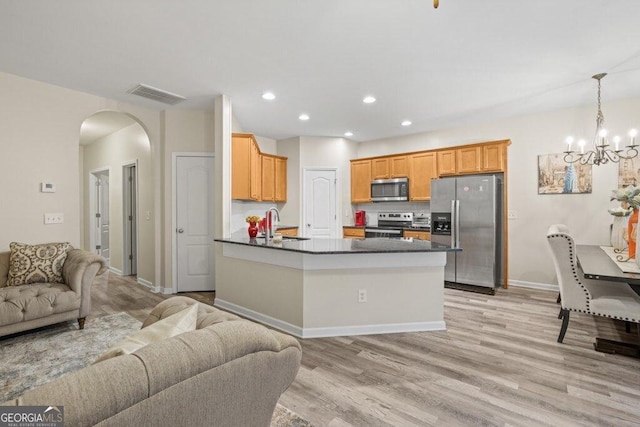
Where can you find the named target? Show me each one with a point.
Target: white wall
(585, 214)
(39, 141)
(327, 152)
(183, 131)
(112, 152)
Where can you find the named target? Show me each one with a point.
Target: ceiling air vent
(156, 94)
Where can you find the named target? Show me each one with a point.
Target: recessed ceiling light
(303, 117)
(369, 99)
(406, 123)
(269, 96)
(348, 133)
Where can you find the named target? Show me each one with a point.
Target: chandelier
(601, 152)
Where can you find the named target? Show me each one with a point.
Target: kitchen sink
(289, 238)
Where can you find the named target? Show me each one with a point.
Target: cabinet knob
(180, 230)
(308, 225)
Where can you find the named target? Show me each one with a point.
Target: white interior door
(100, 214)
(194, 224)
(130, 220)
(320, 210)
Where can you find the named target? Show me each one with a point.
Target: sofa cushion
(183, 321)
(27, 302)
(36, 263)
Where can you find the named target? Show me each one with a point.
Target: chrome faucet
(269, 220)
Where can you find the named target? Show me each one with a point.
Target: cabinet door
(268, 178)
(420, 235)
(241, 168)
(281, 180)
(469, 159)
(380, 168)
(399, 166)
(256, 172)
(352, 232)
(288, 232)
(422, 168)
(446, 162)
(361, 181)
(493, 158)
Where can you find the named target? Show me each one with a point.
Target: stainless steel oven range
(390, 224)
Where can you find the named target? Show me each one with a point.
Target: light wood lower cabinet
(420, 235)
(352, 232)
(288, 231)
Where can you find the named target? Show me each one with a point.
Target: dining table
(597, 264)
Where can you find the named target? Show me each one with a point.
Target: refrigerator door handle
(454, 230)
(457, 223)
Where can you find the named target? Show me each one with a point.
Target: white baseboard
(115, 271)
(155, 289)
(534, 285)
(337, 331)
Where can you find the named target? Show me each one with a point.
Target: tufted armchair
(35, 305)
(596, 297)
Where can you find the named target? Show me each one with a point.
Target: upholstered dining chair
(596, 297)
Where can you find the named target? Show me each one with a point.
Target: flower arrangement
(252, 218)
(629, 197)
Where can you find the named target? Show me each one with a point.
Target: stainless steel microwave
(390, 190)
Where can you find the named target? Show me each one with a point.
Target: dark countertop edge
(286, 227)
(336, 252)
(428, 230)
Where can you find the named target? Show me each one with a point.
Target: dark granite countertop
(285, 227)
(321, 246)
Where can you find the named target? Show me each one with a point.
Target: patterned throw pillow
(36, 263)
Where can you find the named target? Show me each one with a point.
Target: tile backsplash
(372, 209)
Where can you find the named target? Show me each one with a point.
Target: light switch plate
(53, 218)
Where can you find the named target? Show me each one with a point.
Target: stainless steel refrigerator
(466, 212)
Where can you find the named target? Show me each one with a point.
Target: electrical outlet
(362, 295)
(53, 218)
(513, 214)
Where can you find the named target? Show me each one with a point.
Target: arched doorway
(116, 175)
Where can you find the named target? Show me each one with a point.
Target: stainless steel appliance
(421, 220)
(390, 224)
(466, 212)
(390, 190)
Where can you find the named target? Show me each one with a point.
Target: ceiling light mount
(601, 153)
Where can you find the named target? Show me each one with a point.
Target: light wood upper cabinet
(245, 168)
(469, 160)
(399, 166)
(380, 168)
(268, 178)
(281, 179)
(256, 172)
(493, 157)
(390, 167)
(256, 176)
(274, 178)
(422, 168)
(446, 162)
(360, 181)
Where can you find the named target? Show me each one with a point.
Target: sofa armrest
(79, 270)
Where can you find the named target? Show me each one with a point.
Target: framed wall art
(629, 172)
(555, 176)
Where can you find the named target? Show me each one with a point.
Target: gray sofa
(228, 372)
(40, 304)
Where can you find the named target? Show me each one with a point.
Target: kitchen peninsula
(333, 287)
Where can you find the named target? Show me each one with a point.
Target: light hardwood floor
(498, 363)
